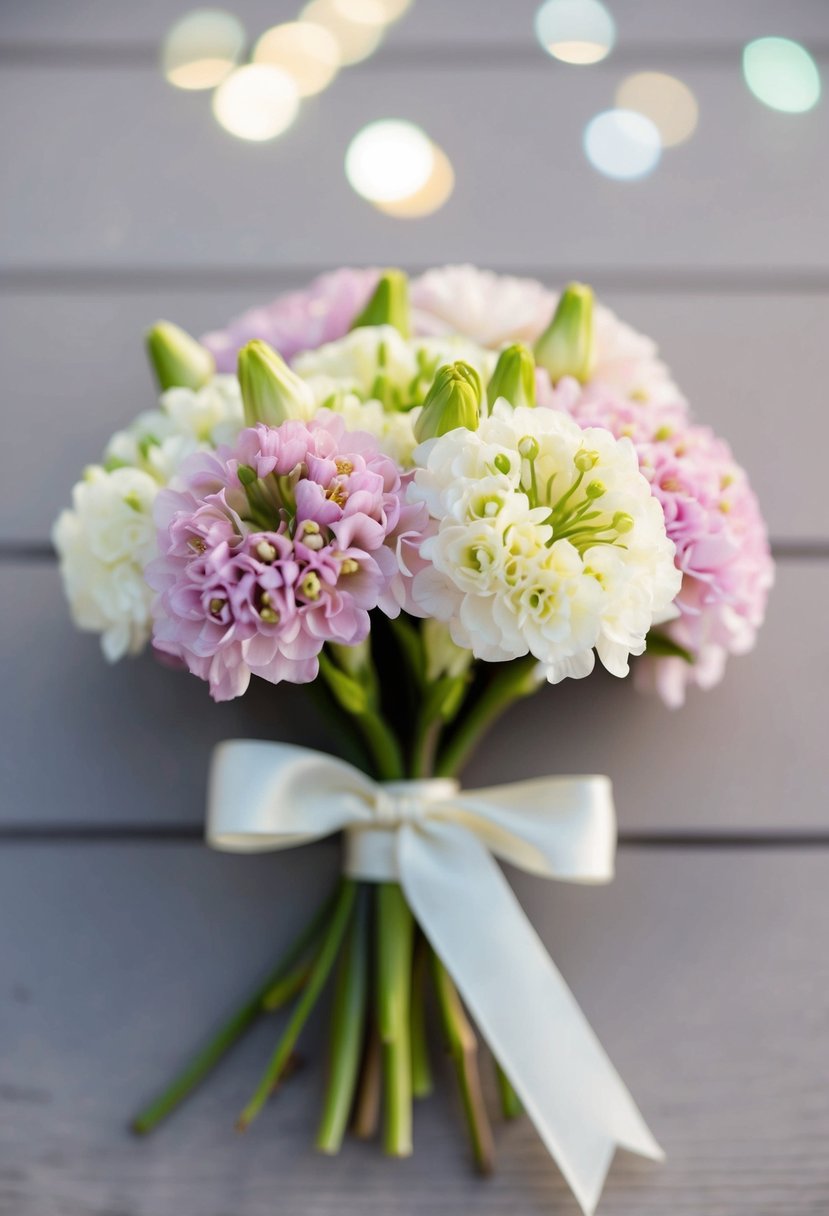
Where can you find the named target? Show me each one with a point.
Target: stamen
(337, 493)
(216, 606)
(311, 586)
(344, 467)
(349, 565)
(585, 460)
(266, 551)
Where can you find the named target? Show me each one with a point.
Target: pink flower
(713, 518)
(299, 320)
(276, 546)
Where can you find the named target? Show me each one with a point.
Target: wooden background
(704, 966)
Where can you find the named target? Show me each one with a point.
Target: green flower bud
(271, 392)
(389, 305)
(453, 400)
(566, 346)
(177, 360)
(514, 377)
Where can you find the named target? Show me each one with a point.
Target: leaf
(661, 647)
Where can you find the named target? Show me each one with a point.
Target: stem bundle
(379, 1058)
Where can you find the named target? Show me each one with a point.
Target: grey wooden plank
(701, 972)
(174, 189)
(427, 23)
(752, 366)
(88, 743)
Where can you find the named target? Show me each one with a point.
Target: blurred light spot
(389, 160)
(432, 194)
(202, 48)
(575, 31)
(356, 39)
(364, 12)
(393, 10)
(256, 102)
(622, 144)
(782, 74)
(663, 99)
(308, 53)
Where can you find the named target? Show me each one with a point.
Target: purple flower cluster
(713, 518)
(297, 321)
(276, 546)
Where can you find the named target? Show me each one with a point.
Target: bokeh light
(202, 48)
(622, 144)
(308, 53)
(575, 31)
(432, 194)
(355, 37)
(389, 160)
(666, 101)
(256, 102)
(782, 74)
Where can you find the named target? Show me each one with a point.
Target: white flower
(492, 309)
(548, 541)
(375, 356)
(393, 429)
(186, 420)
(104, 543)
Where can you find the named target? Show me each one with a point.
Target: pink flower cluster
(274, 547)
(297, 321)
(713, 518)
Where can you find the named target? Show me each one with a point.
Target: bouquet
(427, 499)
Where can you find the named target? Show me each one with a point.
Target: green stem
(347, 1030)
(511, 1106)
(395, 934)
(424, 747)
(316, 981)
(207, 1059)
(463, 1048)
(359, 702)
(421, 1068)
(383, 745)
(286, 987)
(516, 680)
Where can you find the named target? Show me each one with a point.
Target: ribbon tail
(526, 1012)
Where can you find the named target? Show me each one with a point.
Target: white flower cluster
(375, 378)
(104, 542)
(547, 541)
(106, 539)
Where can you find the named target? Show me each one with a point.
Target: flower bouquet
(428, 499)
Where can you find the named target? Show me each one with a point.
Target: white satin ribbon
(438, 843)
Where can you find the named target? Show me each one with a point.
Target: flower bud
(177, 360)
(514, 377)
(566, 346)
(453, 400)
(389, 305)
(271, 392)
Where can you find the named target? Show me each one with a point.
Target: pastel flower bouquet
(428, 499)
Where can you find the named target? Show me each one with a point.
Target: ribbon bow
(438, 843)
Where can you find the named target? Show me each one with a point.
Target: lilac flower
(276, 546)
(297, 321)
(712, 516)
